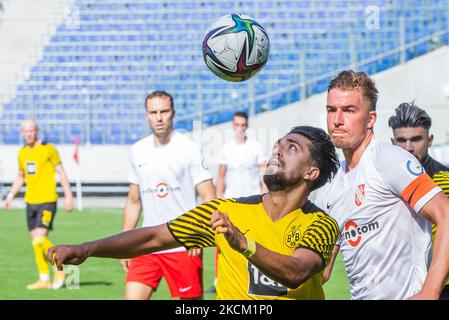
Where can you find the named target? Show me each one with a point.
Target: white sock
(44, 277)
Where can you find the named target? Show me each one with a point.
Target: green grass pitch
(98, 278)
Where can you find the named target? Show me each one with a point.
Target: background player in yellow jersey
(38, 162)
(272, 246)
(411, 126)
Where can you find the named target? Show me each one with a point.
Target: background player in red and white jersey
(411, 126)
(384, 203)
(166, 170)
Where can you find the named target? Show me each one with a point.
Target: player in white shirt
(242, 163)
(384, 203)
(166, 171)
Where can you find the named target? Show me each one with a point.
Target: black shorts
(445, 293)
(41, 215)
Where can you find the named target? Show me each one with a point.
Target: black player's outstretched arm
(121, 246)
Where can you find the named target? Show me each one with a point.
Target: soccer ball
(236, 47)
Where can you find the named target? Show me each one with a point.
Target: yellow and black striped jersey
(306, 227)
(440, 175)
(442, 180)
(38, 164)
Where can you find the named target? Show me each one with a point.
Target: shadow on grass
(96, 283)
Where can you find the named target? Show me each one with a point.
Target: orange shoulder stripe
(417, 189)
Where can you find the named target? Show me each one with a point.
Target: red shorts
(184, 274)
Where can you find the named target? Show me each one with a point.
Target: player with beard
(272, 246)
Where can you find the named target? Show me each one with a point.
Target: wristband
(251, 249)
(9, 196)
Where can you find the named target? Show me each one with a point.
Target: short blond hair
(350, 80)
(29, 122)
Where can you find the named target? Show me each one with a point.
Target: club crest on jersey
(46, 217)
(359, 195)
(204, 164)
(292, 237)
(414, 168)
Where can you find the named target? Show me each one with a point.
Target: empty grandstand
(87, 72)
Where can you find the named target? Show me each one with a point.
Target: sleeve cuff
(174, 237)
(422, 202)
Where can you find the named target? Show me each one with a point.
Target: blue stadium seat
(124, 49)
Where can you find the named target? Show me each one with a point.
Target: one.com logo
(354, 233)
(162, 190)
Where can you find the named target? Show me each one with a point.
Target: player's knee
(38, 232)
(136, 296)
(37, 240)
(137, 291)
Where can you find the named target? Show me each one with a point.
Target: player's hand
(195, 252)
(7, 204)
(68, 204)
(221, 224)
(65, 254)
(125, 264)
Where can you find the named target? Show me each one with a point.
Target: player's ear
(312, 174)
(372, 117)
(392, 141)
(430, 139)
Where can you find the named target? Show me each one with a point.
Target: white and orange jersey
(385, 242)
